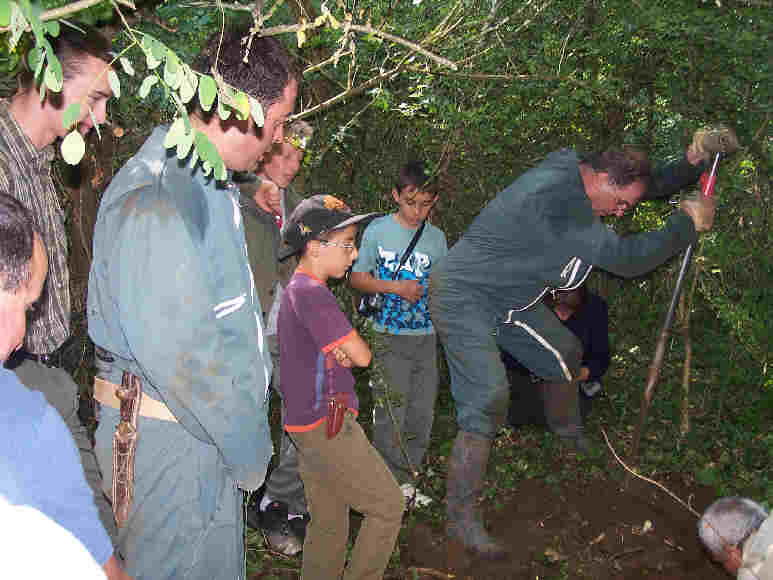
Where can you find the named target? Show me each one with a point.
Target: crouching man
(739, 535)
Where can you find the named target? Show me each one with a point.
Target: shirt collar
(37, 158)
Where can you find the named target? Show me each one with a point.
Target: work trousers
(284, 483)
(410, 383)
(343, 473)
(472, 329)
(186, 519)
(61, 392)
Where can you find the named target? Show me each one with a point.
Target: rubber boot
(562, 413)
(466, 470)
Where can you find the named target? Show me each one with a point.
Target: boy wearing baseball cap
(340, 469)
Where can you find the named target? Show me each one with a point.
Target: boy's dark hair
(263, 74)
(624, 166)
(574, 300)
(412, 174)
(72, 46)
(17, 239)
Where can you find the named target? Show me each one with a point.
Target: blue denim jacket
(171, 296)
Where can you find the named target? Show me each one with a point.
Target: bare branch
(361, 29)
(648, 480)
(350, 93)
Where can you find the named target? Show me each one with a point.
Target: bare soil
(578, 530)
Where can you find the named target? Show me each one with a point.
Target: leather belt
(104, 392)
(49, 360)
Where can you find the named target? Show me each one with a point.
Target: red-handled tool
(707, 180)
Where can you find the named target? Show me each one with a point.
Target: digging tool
(660, 349)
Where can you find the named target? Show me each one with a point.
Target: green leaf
(71, 115)
(188, 84)
(36, 60)
(207, 92)
(205, 148)
(73, 147)
(17, 25)
(147, 47)
(5, 13)
(115, 83)
(257, 112)
(242, 105)
(223, 110)
(184, 145)
(52, 27)
(158, 49)
(172, 72)
(220, 172)
(53, 76)
(147, 84)
(126, 65)
(175, 133)
(209, 156)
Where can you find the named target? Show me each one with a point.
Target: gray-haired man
(739, 535)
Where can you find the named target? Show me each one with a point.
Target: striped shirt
(25, 173)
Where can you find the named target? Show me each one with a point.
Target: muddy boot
(466, 469)
(562, 413)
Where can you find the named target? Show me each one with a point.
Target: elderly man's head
(23, 268)
(726, 525)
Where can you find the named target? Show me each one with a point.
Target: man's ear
(395, 195)
(733, 559)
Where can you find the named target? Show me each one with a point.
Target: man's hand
(707, 142)
(411, 290)
(701, 210)
(269, 197)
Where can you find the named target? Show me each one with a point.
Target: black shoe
(277, 531)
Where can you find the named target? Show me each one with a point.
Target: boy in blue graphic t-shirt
(407, 346)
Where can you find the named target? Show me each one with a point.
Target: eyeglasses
(345, 245)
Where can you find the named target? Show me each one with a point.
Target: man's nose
(279, 133)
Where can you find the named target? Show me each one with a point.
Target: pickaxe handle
(707, 180)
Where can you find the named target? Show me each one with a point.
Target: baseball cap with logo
(314, 217)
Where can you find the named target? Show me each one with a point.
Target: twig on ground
(627, 552)
(432, 572)
(647, 479)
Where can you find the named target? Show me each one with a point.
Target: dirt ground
(574, 530)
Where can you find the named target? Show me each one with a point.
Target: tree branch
(72, 8)
(368, 29)
(350, 93)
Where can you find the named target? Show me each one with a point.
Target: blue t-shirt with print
(383, 244)
(40, 467)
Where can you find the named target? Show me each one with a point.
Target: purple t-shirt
(310, 326)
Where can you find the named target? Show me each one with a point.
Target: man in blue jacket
(542, 233)
(172, 301)
(35, 441)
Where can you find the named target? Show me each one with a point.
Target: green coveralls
(538, 234)
(172, 299)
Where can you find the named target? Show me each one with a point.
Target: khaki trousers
(339, 474)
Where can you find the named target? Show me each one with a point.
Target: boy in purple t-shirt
(317, 344)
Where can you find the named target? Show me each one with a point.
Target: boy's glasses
(345, 245)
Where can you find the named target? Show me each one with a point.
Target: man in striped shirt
(29, 126)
